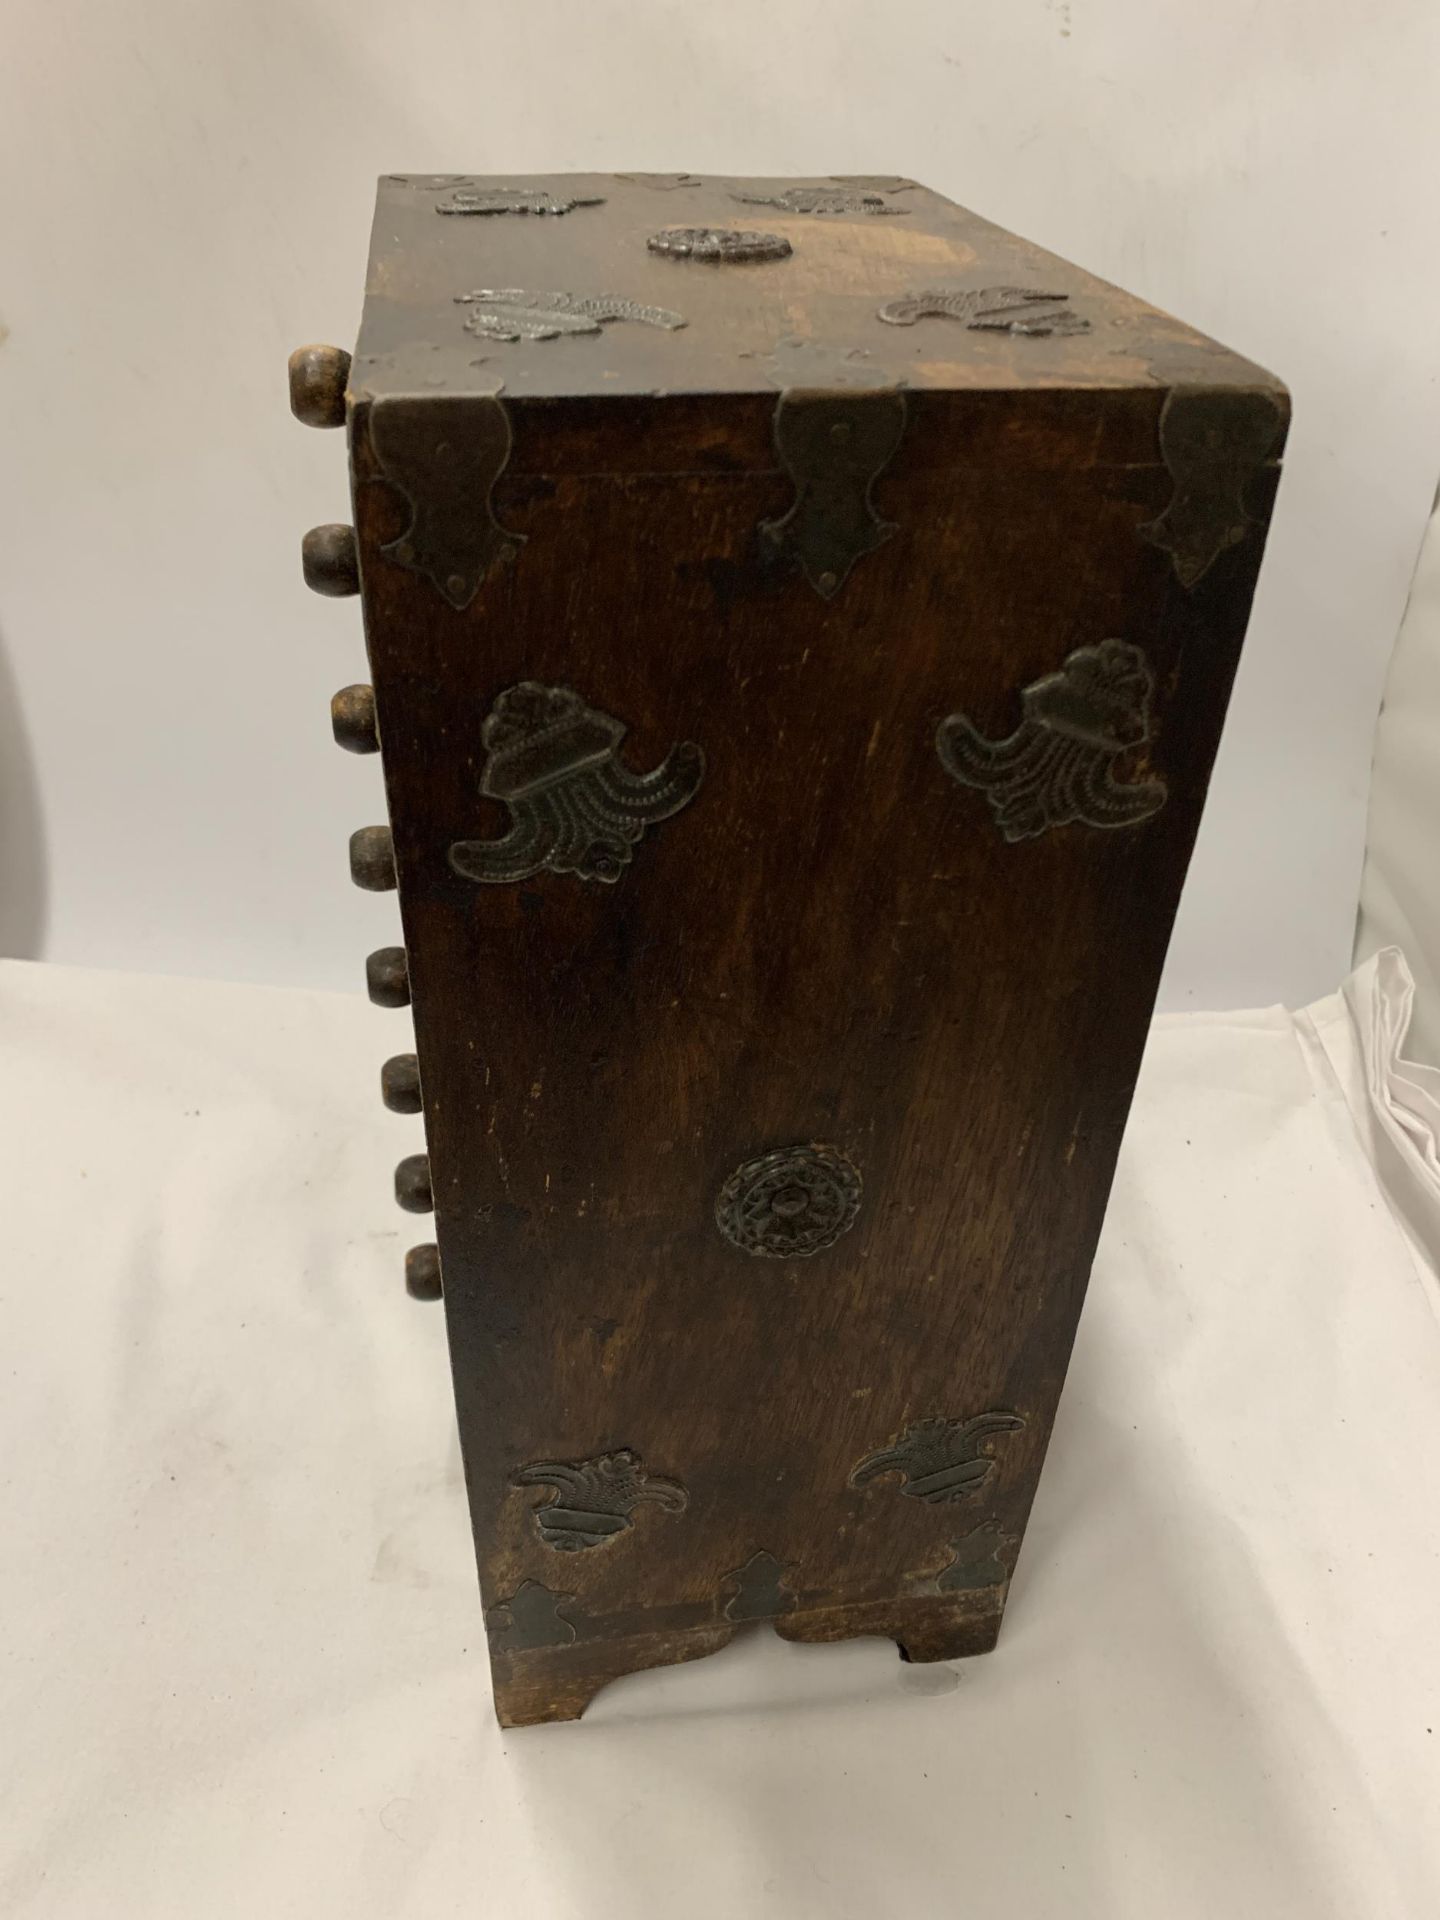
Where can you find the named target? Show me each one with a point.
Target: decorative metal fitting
(387, 977)
(330, 562)
(759, 1589)
(594, 1499)
(512, 313)
(576, 807)
(834, 447)
(940, 1459)
(400, 1084)
(1213, 443)
(413, 1190)
(1022, 310)
(789, 1204)
(319, 377)
(981, 1559)
(352, 720)
(422, 1273)
(372, 859)
(444, 456)
(488, 200)
(530, 1618)
(821, 200)
(1056, 767)
(719, 244)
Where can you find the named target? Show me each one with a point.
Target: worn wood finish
(830, 941)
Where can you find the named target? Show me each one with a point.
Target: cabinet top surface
(645, 284)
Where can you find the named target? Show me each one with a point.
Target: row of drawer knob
(330, 560)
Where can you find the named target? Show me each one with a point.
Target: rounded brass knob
(318, 379)
(387, 977)
(422, 1273)
(352, 720)
(372, 859)
(330, 561)
(412, 1184)
(400, 1084)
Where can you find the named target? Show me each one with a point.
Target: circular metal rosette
(718, 243)
(789, 1204)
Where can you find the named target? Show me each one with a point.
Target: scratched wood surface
(831, 942)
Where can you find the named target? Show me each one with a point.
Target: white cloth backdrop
(241, 1670)
(1400, 885)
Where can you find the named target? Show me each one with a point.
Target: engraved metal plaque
(718, 244)
(575, 806)
(789, 1204)
(939, 1460)
(594, 1500)
(1056, 767)
(1022, 310)
(514, 313)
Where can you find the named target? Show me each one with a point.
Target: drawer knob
(330, 561)
(412, 1184)
(352, 720)
(400, 1084)
(318, 379)
(387, 977)
(422, 1273)
(372, 859)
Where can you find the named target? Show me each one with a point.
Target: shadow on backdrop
(24, 884)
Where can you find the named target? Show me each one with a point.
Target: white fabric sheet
(242, 1673)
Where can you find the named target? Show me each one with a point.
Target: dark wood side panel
(832, 942)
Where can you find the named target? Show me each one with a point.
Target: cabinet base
(542, 1684)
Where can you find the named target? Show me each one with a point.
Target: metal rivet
(372, 859)
(352, 720)
(400, 1084)
(412, 1184)
(329, 560)
(318, 379)
(387, 977)
(422, 1273)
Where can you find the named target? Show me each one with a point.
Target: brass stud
(400, 1084)
(352, 720)
(372, 859)
(330, 561)
(412, 1184)
(422, 1273)
(387, 977)
(318, 379)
